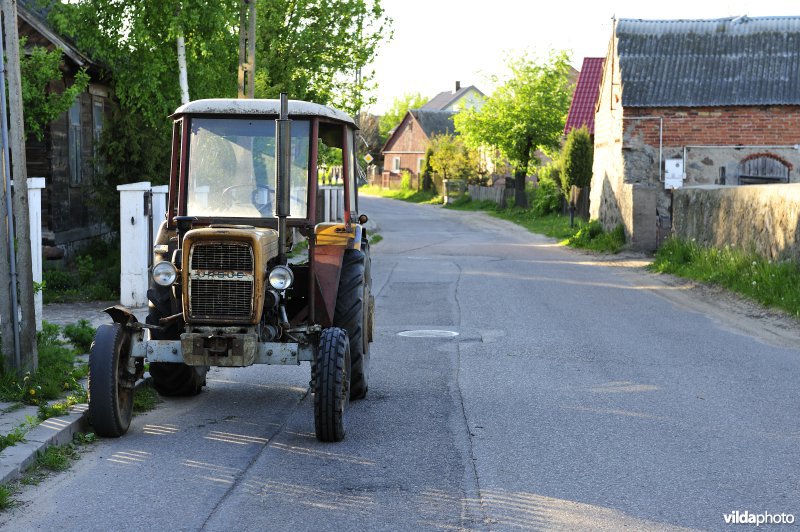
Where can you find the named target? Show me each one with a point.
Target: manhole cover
(427, 333)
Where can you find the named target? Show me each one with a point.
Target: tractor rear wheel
(331, 374)
(169, 378)
(351, 314)
(111, 381)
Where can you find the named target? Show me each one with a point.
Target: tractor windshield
(231, 170)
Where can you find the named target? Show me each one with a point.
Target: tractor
(244, 188)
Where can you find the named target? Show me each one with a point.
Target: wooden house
(67, 155)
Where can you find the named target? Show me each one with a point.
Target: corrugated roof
(444, 99)
(699, 63)
(584, 99)
(434, 122)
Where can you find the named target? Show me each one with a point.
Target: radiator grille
(219, 256)
(223, 299)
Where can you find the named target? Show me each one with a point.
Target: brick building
(689, 103)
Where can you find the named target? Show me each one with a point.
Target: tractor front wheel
(331, 374)
(111, 381)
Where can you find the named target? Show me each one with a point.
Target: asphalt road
(575, 396)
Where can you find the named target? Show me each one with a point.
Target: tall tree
(318, 50)
(313, 49)
(525, 113)
(400, 106)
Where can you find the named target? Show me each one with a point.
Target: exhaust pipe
(283, 163)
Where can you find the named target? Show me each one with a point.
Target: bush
(93, 275)
(405, 180)
(546, 197)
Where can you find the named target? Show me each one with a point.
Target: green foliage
(93, 275)
(525, 113)
(38, 69)
(546, 196)
(311, 48)
(12, 438)
(57, 457)
(451, 158)
(375, 238)
(400, 106)
(427, 172)
(577, 157)
(774, 284)
(61, 408)
(593, 236)
(405, 180)
(145, 399)
(308, 48)
(57, 372)
(411, 196)
(80, 335)
(6, 497)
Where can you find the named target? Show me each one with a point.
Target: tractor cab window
(231, 170)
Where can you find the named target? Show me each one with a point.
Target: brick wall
(766, 125)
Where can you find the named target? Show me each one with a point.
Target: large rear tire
(111, 383)
(351, 314)
(173, 379)
(331, 373)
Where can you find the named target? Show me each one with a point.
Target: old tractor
(243, 188)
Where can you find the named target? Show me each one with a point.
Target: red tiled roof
(584, 100)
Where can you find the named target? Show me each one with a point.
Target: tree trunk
(182, 74)
(520, 173)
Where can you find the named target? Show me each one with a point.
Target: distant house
(693, 102)
(405, 148)
(67, 154)
(469, 97)
(584, 99)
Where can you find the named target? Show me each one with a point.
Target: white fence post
(159, 207)
(133, 230)
(35, 186)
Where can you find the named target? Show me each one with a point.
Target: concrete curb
(59, 430)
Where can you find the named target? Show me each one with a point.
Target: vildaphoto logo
(758, 519)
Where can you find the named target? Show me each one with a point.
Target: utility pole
(26, 356)
(247, 49)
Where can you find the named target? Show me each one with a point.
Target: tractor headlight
(281, 278)
(164, 273)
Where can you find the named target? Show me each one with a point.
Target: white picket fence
(135, 236)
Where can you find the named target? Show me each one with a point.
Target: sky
(439, 42)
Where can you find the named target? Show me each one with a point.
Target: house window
(396, 164)
(420, 164)
(98, 121)
(74, 143)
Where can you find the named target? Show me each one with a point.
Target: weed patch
(57, 372)
(145, 399)
(12, 438)
(6, 497)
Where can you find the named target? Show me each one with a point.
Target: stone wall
(762, 217)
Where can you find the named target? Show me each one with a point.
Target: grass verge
(411, 196)
(583, 235)
(773, 284)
